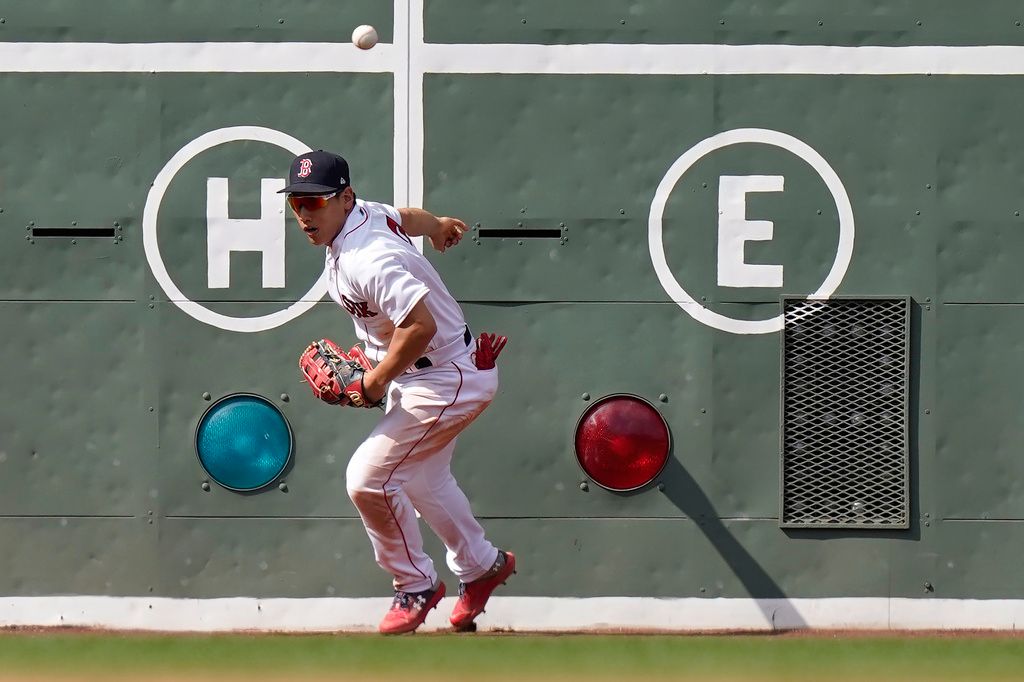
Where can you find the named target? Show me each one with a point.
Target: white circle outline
(844, 252)
(149, 229)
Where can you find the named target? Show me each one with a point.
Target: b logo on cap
(305, 168)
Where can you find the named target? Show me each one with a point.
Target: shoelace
(404, 600)
(499, 564)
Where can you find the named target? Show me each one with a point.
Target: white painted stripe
(639, 59)
(723, 59)
(401, 106)
(518, 613)
(193, 58)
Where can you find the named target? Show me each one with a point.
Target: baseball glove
(334, 376)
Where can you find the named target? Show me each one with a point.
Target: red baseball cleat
(409, 610)
(473, 596)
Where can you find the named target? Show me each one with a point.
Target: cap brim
(308, 188)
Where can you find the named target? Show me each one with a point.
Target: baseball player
(428, 372)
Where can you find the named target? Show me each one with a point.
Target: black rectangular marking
(520, 233)
(74, 232)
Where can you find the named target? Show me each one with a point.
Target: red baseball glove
(334, 376)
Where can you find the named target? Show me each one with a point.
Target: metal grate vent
(845, 366)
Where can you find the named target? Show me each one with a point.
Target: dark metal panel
(864, 22)
(99, 179)
(517, 459)
(77, 555)
(980, 473)
(75, 436)
(683, 558)
(193, 20)
(266, 557)
(959, 560)
(202, 360)
(743, 410)
(571, 177)
(575, 181)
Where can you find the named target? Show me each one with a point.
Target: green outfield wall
(891, 136)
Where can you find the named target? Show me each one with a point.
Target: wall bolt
(151, 306)
(524, 21)
(661, 487)
(819, 211)
(520, 242)
(918, 22)
(928, 587)
(917, 213)
(703, 410)
(561, 224)
(205, 486)
(622, 211)
(622, 21)
(585, 396)
(927, 411)
(285, 397)
(928, 186)
(280, 21)
(74, 241)
(206, 395)
(282, 486)
(663, 398)
(150, 408)
(584, 486)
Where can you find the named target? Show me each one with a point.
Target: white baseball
(364, 37)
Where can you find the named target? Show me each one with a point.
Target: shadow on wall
(682, 490)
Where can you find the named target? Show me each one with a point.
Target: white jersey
(377, 274)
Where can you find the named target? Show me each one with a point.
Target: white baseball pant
(404, 465)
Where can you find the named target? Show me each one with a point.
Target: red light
(622, 442)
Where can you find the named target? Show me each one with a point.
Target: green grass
(528, 657)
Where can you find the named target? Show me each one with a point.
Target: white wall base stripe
(516, 613)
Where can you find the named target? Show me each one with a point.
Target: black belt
(425, 362)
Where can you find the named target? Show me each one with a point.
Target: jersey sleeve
(393, 288)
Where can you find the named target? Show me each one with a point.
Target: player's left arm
(443, 231)
(410, 341)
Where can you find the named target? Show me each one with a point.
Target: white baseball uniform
(378, 276)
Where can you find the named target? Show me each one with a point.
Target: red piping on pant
(384, 487)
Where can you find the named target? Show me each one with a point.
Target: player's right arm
(409, 343)
(442, 232)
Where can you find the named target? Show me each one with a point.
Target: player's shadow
(687, 496)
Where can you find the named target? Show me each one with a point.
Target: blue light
(243, 442)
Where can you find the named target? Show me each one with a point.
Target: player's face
(322, 217)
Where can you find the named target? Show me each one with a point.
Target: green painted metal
(104, 378)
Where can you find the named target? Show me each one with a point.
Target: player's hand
(372, 389)
(448, 234)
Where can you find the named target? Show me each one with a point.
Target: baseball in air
(364, 37)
